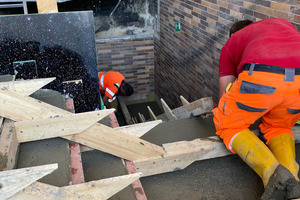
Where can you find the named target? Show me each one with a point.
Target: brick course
(186, 62)
(133, 57)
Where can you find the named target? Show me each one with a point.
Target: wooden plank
(13, 181)
(139, 129)
(183, 100)
(19, 107)
(101, 189)
(26, 87)
(124, 110)
(194, 108)
(141, 117)
(58, 126)
(181, 154)
(151, 113)
(8, 146)
(136, 130)
(170, 115)
(47, 6)
(115, 142)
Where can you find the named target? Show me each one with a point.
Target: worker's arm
(223, 83)
(105, 101)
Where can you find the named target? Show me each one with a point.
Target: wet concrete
(99, 165)
(48, 151)
(219, 178)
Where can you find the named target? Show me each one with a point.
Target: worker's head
(125, 89)
(236, 26)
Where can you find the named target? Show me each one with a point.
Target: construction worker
(262, 62)
(112, 84)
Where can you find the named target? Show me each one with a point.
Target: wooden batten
(168, 112)
(194, 108)
(151, 113)
(124, 110)
(183, 100)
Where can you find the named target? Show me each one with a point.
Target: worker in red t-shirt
(262, 62)
(113, 84)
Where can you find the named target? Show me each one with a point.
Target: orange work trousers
(257, 95)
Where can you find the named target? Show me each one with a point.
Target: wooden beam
(181, 154)
(170, 115)
(136, 130)
(58, 126)
(8, 146)
(124, 110)
(13, 181)
(47, 6)
(139, 129)
(115, 142)
(101, 189)
(151, 113)
(26, 87)
(183, 100)
(194, 108)
(19, 108)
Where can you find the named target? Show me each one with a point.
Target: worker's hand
(105, 101)
(224, 81)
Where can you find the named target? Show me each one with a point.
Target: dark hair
(236, 26)
(128, 89)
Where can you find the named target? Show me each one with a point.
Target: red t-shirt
(271, 41)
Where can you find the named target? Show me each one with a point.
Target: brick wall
(186, 62)
(131, 56)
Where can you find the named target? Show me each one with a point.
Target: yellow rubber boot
(256, 154)
(283, 148)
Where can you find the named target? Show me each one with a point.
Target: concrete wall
(134, 17)
(186, 62)
(131, 56)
